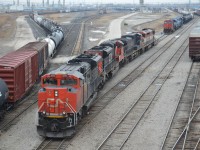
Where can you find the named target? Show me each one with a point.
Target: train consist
(68, 92)
(20, 69)
(194, 43)
(173, 24)
(56, 36)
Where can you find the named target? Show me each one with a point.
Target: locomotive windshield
(168, 21)
(50, 81)
(68, 82)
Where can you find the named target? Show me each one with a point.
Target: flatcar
(68, 92)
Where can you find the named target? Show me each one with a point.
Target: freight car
(22, 68)
(68, 92)
(194, 43)
(3, 97)
(57, 35)
(197, 12)
(187, 18)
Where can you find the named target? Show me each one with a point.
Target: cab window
(68, 82)
(50, 81)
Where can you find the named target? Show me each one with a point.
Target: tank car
(3, 97)
(57, 35)
(66, 95)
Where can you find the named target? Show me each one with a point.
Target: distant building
(17, 8)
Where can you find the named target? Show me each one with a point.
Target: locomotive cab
(58, 99)
(168, 26)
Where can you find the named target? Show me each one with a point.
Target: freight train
(57, 35)
(20, 69)
(68, 92)
(173, 24)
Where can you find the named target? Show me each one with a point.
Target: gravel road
(115, 28)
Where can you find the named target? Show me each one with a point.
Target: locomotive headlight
(44, 112)
(56, 93)
(64, 113)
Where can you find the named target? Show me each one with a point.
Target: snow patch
(177, 36)
(67, 22)
(93, 39)
(99, 31)
(61, 59)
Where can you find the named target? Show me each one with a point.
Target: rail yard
(119, 80)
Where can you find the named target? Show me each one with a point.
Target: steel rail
(91, 117)
(138, 100)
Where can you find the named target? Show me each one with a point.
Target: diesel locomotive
(68, 92)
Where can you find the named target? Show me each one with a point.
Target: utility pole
(63, 3)
(17, 2)
(189, 4)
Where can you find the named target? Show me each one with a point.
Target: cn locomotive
(172, 25)
(68, 92)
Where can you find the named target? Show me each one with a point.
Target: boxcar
(43, 56)
(19, 70)
(194, 44)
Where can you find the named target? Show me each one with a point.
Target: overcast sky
(111, 1)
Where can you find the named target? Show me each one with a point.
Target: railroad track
(19, 108)
(113, 92)
(183, 131)
(36, 29)
(120, 134)
(11, 117)
(73, 36)
(79, 41)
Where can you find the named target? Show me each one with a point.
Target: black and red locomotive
(68, 92)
